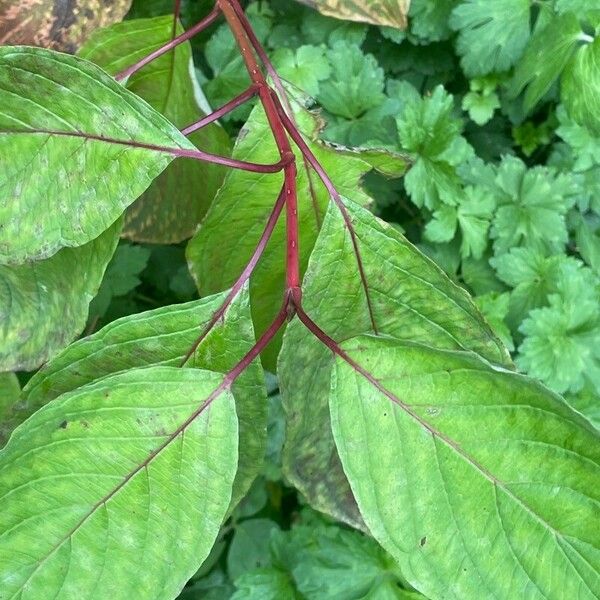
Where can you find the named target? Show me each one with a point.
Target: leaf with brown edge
(391, 13)
(58, 24)
(409, 298)
(161, 215)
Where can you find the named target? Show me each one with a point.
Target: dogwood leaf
(75, 147)
(169, 85)
(44, 304)
(493, 477)
(410, 297)
(136, 464)
(163, 337)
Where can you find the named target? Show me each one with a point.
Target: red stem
(231, 10)
(248, 269)
(223, 110)
(186, 35)
(178, 152)
(266, 61)
(335, 195)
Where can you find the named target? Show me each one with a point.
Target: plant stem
(186, 35)
(223, 110)
(335, 195)
(231, 10)
(248, 269)
(266, 61)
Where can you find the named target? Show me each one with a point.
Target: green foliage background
(500, 118)
(503, 193)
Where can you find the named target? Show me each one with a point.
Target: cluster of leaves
(498, 111)
(502, 192)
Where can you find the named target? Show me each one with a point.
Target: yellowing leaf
(56, 24)
(391, 13)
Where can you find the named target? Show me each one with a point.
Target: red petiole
(282, 124)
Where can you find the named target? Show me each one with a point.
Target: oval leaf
(169, 85)
(76, 149)
(163, 337)
(411, 298)
(480, 482)
(44, 304)
(126, 469)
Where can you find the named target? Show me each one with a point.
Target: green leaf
(429, 19)
(318, 29)
(10, 390)
(562, 343)
(329, 562)
(495, 479)
(472, 215)
(587, 402)
(533, 277)
(494, 307)
(249, 547)
(305, 67)
(228, 235)
(581, 86)
(264, 584)
(75, 146)
(492, 35)
(44, 304)
(588, 244)
(169, 85)
(480, 106)
(355, 84)
(129, 467)
(411, 298)
(121, 276)
(428, 129)
(545, 57)
(584, 143)
(163, 337)
(532, 204)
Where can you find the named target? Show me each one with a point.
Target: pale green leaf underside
(44, 304)
(112, 473)
(411, 299)
(480, 482)
(60, 184)
(163, 337)
(168, 85)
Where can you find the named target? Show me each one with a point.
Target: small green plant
(129, 448)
